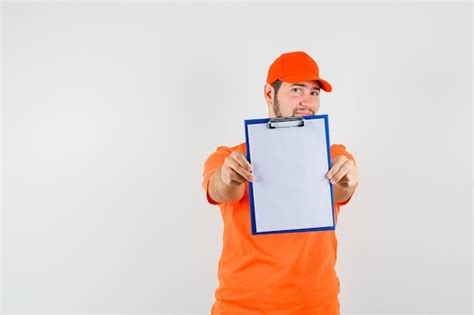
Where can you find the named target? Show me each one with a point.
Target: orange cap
(294, 67)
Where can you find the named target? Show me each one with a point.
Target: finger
(351, 178)
(236, 178)
(347, 183)
(233, 176)
(244, 173)
(343, 171)
(236, 167)
(338, 162)
(242, 160)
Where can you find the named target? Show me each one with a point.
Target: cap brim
(298, 78)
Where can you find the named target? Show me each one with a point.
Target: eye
(316, 93)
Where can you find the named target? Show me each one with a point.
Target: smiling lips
(303, 112)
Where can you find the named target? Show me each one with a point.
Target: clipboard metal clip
(285, 122)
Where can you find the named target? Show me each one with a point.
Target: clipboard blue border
(252, 204)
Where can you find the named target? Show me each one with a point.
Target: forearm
(221, 192)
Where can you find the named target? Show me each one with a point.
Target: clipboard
(290, 158)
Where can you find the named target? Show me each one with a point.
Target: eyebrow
(305, 86)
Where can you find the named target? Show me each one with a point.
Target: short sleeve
(213, 162)
(338, 150)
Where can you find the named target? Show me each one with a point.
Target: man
(287, 273)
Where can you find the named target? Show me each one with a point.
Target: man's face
(293, 99)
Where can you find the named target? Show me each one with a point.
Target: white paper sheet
(291, 190)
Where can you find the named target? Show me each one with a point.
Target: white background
(110, 110)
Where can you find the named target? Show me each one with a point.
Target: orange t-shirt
(271, 271)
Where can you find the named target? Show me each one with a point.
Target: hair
(276, 106)
(276, 86)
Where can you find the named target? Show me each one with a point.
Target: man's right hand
(226, 184)
(236, 170)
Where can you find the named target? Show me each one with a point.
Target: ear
(268, 92)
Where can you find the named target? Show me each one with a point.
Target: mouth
(303, 113)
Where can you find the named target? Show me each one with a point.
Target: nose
(307, 101)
